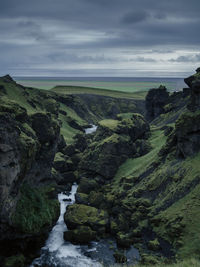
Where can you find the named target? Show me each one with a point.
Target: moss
(83, 215)
(190, 262)
(111, 124)
(154, 244)
(51, 105)
(35, 211)
(15, 261)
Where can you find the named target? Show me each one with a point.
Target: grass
(191, 262)
(136, 166)
(97, 91)
(35, 210)
(123, 86)
(109, 123)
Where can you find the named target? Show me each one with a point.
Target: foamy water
(57, 252)
(91, 130)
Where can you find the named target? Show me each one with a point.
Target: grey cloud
(135, 17)
(189, 58)
(83, 31)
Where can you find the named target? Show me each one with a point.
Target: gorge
(131, 179)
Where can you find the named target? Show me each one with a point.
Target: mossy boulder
(81, 235)
(82, 215)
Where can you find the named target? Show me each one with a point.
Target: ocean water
(124, 84)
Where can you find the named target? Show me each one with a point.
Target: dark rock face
(27, 148)
(194, 83)
(155, 101)
(188, 134)
(187, 130)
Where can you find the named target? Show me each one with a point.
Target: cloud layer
(99, 37)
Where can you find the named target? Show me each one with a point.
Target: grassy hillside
(97, 91)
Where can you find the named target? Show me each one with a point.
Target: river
(59, 253)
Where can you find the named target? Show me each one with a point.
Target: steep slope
(41, 138)
(152, 201)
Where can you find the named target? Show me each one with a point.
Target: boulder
(82, 215)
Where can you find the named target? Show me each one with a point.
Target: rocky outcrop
(187, 130)
(194, 84)
(155, 101)
(188, 134)
(85, 223)
(114, 142)
(27, 148)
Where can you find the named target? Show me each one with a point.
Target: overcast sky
(99, 37)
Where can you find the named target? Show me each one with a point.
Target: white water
(56, 251)
(91, 130)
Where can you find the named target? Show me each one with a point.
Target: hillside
(138, 174)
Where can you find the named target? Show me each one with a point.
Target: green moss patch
(35, 211)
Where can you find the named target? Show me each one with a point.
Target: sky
(66, 38)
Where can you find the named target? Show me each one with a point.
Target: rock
(2, 89)
(46, 129)
(62, 163)
(67, 199)
(187, 132)
(87, 185)
(155, 101)
(61, 143)
(51, 106)
(69, 177)
(74, 124)
(7, 79)
(113, 143)
(119, 257)
(82, 235)
(194, 83)
(83, 215)
(62, 112)
(82, 198)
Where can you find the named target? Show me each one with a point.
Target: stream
(59, 253)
